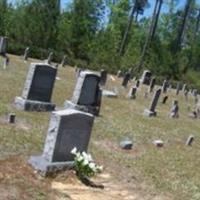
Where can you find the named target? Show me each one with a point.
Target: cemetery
(98, 101)
(162, 150)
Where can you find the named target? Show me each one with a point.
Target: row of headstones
(68, 128)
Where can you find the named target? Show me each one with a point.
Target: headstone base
(44, 167)
(149, 113)
(89, 109)
(30, 105)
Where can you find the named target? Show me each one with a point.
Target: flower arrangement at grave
(85, 167)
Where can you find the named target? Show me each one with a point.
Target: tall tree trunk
(125, 37)
(146, 44)
(156, 19)
(182, 26)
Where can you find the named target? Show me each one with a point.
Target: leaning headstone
(67, 129)
(164, 99)
(26, 52)
(165, 86)
(64, 61)
(132, 93)
(146, 77)
(38, 88)
(3, 45)
(152, 84)
(126, 79)
(178, 88)
(86, 94)
(190, 140)
(50, 57)
(103, 77)
(152, 110)
(174, 113)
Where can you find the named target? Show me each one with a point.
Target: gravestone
(126, 79)
(184, 88)
(164, 99)
(50, 57)
(146, 77)
(152, 109)
(152, 84)
(64, 61)
(3, 45)
(165, 86)
(38, 88)
(174, 110)
(103, 77)
(186, 94)
(119, 73)
(67, 129)
(26, 52)
(87, 93)
(132, 93)
(190, 140)
(178, 88)
(137, 83)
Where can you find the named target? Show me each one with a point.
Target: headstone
(152, 110)
(67, 129)
(5, 61)
(38, 88)
(103, 77)
(26, 52)
(158, 143)
(86, 94)
(165, 86)
(152, 84)
(3, 45)
(146, 77)
(108, 93)
(126, 144)
(195, 94)
(119, 73)
(137, 83)
(126, 79)
(50, 57)
(132, 93)
(190, 140)
(186, 94)
(174, 110)
(164, 99)
(11, 119)
(178, 88)
(184, 87)
(64, 61)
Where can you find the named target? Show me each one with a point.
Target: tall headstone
(132, 93)
(38, 88)
(3, 45)
(152, 84)
(165, 86)
(67, 129)
(174, 110)
(152, 109)
(146, 77)
(50, 57)
(126, 79)
(103, 77)
(87, 93)
(178, 88)
(64, 60)
(26, 52)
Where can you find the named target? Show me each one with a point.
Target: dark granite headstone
(164, 99)
(146, 77)
(165, 86)
(67, 129)
(152, 84)
(38, 88)
(126, 79)
(103, 77)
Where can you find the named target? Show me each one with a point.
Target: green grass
(172, 170)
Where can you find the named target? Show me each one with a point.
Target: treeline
(109, 34)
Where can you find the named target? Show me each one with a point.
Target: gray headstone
(3, 45)
(174, 110)
(190, 140)
(67, 129)
(152, 84)
(50, 57)
(184, 87)
(119, 74)
(103, 77)
(152, 109)
(146, 77)
(108, 93)
(26, 52)
(165, 86)
(132, 93)
(178, 88)
(126, 144)
(38, 88)
(64, 61)
(86, 93)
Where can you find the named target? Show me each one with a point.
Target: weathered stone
(152, 84)
(108, 93)
(64, 61)
(158, 143)
(26, 52)
(11, 119)
(67, 129)
(146, 77)
(103, 77)
(164, 99)
(178, 88)
(50, 57)
(132, 93)
(174, 110)
(190, 140)
(126, 79)
(165, 86)
(126, 144)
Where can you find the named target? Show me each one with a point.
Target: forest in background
(110, 34)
